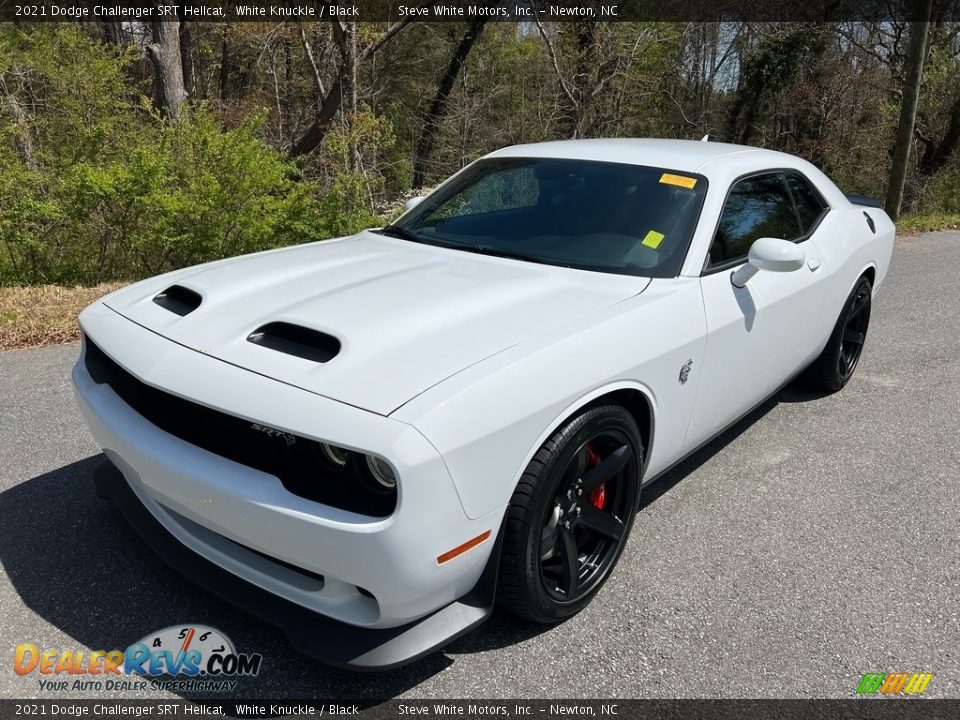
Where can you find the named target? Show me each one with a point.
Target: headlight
(381, 472)
(336, 455)
(372, 471)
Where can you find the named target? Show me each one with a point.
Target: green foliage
(942, 192)
(78, 88)
(927, 221)
(95, 186)
(116, 192)
(350, 187)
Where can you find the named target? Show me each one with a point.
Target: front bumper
(372, 573)
(320, 637)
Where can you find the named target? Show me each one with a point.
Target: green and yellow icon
(903, 683)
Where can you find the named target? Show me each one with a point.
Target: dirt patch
(44, 315)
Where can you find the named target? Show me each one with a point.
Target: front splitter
(310, 633)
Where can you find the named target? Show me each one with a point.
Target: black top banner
(276, 11)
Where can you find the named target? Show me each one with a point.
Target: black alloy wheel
(854, 332)
(571, 515)
(584, 527)
(839, 359)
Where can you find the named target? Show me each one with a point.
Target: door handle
(813, 263)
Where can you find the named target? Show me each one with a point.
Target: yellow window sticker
(678, 180)
(653, 239)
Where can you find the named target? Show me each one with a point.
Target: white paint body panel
(455, 367)
(407, 315)
(394, 558)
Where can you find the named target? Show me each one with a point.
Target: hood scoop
(296, 340)
(370, 320)
(179, 300)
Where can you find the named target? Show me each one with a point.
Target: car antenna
(705, 138)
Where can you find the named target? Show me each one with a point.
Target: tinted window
(506, 189)
(810, 205)
(609, 217)
(756, 207)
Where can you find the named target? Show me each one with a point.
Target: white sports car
(369, 440)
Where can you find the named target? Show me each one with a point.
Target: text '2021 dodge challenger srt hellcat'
(368, 440)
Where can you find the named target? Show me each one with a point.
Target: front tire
(836, 364)
(570, 516)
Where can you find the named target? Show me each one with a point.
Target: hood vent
(295, 340)
(177, 299)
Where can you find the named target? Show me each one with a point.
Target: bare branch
(317, 79)
(556, 64)
(389, 33)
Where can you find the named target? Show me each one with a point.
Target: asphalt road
(815, 541)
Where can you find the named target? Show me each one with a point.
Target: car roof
(685, 155)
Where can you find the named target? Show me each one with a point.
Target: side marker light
(461, 549)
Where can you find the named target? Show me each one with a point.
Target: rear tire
(570, 516)
(839, 359)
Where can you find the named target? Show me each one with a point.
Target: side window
(758, 206)
(810, 206)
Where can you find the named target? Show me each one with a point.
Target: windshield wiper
(400, 232)
(500, 253)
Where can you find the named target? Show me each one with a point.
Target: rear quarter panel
(849, 248)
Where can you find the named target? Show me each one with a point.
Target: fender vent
(295, 340)
(870, 223)
(177, 299)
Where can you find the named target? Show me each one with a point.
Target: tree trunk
(224, 79)
(314, 134)
(112, 32)
(186, 56)
(21, 124)
(351, 81)
(919, 31)
(438, 108)
(164, 53)
(586, 60)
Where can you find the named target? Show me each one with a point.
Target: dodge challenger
(372, 440)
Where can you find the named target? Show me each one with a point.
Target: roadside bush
(105, 189)
(942, 193)
(349, 160)
(169, 196)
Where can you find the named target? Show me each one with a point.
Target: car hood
(406, 315)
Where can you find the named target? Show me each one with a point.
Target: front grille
(297, 461)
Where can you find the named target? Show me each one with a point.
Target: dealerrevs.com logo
(197, 657)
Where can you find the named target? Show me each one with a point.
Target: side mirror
(771, 254)
(412, 203)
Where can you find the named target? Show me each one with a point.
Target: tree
(21, 123)
(936, 154)
(164, 52)
(916, 53)
(938, 121)
(575, 93)
(438, 107)
(779, 62)
(345, 81)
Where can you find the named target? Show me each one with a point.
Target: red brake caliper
(599, 494)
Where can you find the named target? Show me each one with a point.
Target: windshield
(608, 217)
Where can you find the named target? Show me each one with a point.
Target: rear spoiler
(865, 201)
